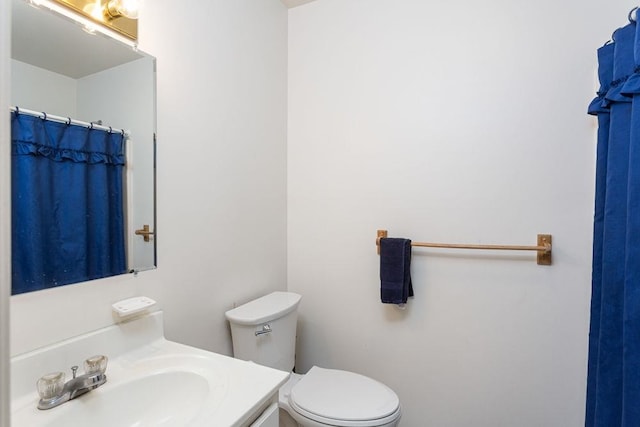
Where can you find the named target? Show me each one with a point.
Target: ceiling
(39, 37)
(43, 39)
(294, 3)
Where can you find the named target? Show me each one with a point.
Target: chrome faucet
(54, 391)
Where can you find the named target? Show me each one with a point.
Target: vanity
(150, 382)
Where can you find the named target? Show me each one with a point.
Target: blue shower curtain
(67, 203)
(613, 382)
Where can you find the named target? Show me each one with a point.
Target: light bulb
(128, 8)
(94, 10)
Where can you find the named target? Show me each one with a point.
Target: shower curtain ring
(110, 129)
(17, 110)
(45, 116)
(91, 126)
(68, 121)
(631, 16)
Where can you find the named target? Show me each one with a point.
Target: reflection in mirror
(83, 132)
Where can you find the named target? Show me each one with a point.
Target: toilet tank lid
(264, 309)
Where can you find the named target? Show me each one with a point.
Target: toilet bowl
(264, 331)
(330, 397)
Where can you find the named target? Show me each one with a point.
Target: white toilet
(264, 331)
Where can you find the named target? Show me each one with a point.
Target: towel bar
(543, 248)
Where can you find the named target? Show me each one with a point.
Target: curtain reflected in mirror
(67, 203)
(81, 187)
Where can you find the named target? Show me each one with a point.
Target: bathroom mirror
(69, 71)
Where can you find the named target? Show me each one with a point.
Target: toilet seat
(345, 399)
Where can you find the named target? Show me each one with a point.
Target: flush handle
(265, 330)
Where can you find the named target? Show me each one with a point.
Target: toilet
(264, 331)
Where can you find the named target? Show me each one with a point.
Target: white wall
(5, 211)
(221, 179)
(38, 89)
(447, 122)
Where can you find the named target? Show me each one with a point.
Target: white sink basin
(171, 390)
(151, 382)
(166, 399)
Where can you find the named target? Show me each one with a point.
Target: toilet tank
(264, 330)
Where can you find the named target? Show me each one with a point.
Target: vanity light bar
(88, 25)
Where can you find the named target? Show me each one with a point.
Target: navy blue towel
(395, 274)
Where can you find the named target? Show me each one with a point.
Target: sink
(151, 382)
(171, 390)
(165, 399)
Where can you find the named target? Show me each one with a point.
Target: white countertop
(233, 392)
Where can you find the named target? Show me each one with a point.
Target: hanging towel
(395, 274)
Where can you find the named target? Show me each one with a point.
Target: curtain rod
(543, 247)
(67, 120)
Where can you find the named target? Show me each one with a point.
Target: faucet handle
(50, 385)
(96, 364)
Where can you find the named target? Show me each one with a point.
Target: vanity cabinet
(269, 417)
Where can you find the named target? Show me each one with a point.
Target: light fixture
(117, 15)
(94, 10)
(127, 8)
